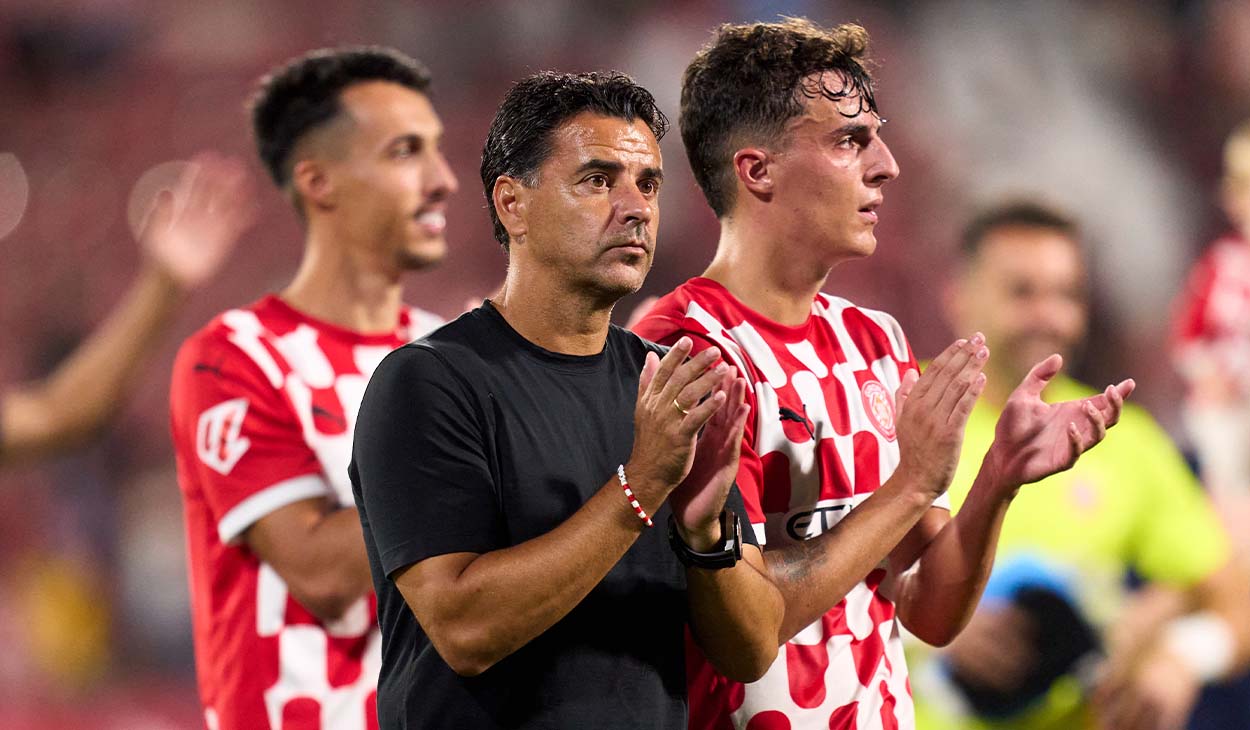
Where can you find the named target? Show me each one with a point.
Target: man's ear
(511, 200)
(752, 167)
(313, 184)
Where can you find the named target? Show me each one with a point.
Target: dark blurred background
(1112, 109)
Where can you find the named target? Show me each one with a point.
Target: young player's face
(392, 181)
(1026, 291)
(830, 174)
(592, 217)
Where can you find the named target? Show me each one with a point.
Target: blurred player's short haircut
(1015, 214)
(520, 136)
(303, 95)
(747, 83)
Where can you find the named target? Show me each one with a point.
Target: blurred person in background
(1212, 350)
(264, 398)
(188, 235)
(1058, 642)
(848, 452)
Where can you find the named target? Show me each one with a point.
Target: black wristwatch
(729, 553)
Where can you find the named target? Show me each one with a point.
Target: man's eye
(648, 187)
(597, 181)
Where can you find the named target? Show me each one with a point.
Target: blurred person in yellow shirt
(1058, 641)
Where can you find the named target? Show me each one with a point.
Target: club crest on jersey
(880, 407)
(218, 435)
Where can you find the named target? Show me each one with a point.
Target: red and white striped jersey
(819, 441)
(263, 405)
(1212, 331)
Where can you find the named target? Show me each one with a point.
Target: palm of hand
(1036, 435)
(1034, 439)
(192, 229)
(700, 497)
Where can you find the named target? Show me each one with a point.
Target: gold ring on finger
(677, 405)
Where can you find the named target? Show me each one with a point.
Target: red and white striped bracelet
(629, 494)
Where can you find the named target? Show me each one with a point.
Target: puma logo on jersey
(217, 436)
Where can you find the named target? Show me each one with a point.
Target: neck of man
(758, 265)
(549, 313)
(335, 285)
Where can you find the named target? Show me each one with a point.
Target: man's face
(593, 214)
(830, 172)
(391, 181)
(1026, 291)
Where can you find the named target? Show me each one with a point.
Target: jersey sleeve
(238, 437)
(420, 455)
(1180, 539)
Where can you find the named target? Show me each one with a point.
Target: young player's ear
(752, 166)
(313, 184)
(511, 200)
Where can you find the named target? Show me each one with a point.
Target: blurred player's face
(830, 174)
(1026, 291)
(592, 216)
(391, 181)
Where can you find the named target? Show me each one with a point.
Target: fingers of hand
(938, 369)
(1040, 374)
(708, 382)
(1097, 422)
(729, 384)
(968, 375)
(675, 356)
(699, 415)
(963, 407)
(696, 368)
(649, 365)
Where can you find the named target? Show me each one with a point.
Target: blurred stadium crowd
(1114, 110)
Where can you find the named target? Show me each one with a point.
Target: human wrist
(631, 498)
(725, 553)
(917, 484)
(1203, 642)
(702, 538)
(992, 475)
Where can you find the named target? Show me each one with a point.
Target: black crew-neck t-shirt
(474, 439)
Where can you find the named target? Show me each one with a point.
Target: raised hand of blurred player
(191, 230)
(698, 500)
(1034, 439)
(933, 410)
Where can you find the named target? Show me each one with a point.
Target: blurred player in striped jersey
(264, 398)
(847, 453)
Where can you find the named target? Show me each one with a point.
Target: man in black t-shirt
(509, 466)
